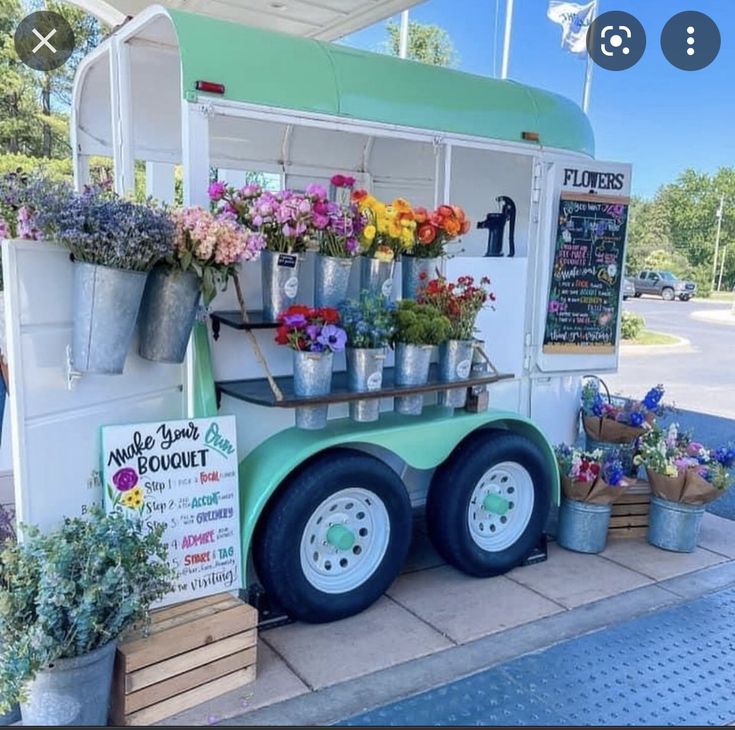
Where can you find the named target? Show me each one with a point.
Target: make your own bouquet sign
(182, 475)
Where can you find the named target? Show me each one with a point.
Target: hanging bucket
(412, 267)
(411, 368)
(376, 276)
(167, 314)
(583, 526)
(312, 376)
(365, 373)
(674, 526)
(332, 278)
(280, 282)
(455, 364)
(106, 302)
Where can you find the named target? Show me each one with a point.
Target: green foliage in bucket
(70, 591)
(419, 324)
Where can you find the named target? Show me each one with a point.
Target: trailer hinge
(206, 110)
(527, 352)
(538, 173)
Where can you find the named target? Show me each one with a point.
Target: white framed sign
(182, 475)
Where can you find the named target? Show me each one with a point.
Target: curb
(681, 344)
(716, 316)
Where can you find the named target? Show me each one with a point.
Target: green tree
(427, 43)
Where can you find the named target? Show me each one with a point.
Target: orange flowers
(438, 227)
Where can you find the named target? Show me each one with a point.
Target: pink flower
(316, 191)
(217, 190)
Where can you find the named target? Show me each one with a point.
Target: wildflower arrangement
(633, 413)
(101, 228)
(70, 591)
(419, 324)
(435, 229)
(590, 476)
(389, 228)
(368, 322)
(683, 470)
(341, 220)
(460, 302)
(212, 246)
(310, 329)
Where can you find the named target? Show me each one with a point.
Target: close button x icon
(44, 40)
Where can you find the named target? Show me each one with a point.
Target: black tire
(684, 298)
(625, 298)
(667, 294)
(277, 543)
(450, 494)
(637, 295)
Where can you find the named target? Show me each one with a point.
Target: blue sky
(661, 119)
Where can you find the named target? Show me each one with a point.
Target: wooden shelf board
(257, 390)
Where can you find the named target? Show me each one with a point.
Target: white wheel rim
(332, 569)
(513, 485)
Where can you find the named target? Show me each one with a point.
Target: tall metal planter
(72, 691)
(376, 276)
(312, 376)
(332, 278)
(412, 267)
(280, 280)
(167, 314)
(674, 526)
(411, 368)
(583, 526)
(455, 364)
(365, 373)
(106, 302)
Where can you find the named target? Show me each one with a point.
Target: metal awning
(321, 19)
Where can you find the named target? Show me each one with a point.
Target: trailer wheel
(335, 537)
(488, 503)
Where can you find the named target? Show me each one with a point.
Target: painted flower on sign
(125, 479)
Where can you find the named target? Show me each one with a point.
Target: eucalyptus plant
(68, 592)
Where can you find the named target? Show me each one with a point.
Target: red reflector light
(210, 87)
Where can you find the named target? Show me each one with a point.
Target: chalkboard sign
(182, 475)
(584, 297)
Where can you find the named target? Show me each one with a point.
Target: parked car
(628, 287)
(664, 284)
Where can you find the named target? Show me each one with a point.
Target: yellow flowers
(391, 226)
(133, 498)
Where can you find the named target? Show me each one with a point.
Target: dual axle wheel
(336, 535)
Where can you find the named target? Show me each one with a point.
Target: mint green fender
(423, 443)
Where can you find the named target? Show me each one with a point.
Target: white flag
(575, 20)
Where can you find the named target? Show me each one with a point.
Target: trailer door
(579, 267)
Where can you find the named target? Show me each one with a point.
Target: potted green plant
(460, 302)
(434, 230)
(418, 329)
(684, 476)
(207, 251)
(114, 243)
(590, 482)
(369, 324)
(65, 598)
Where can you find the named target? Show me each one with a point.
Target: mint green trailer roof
(278, 70)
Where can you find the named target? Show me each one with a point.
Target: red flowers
(342, 181)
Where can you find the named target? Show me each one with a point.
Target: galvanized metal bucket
(411, 368)
(332, 278)
(72, 691)
(365, 373)
(455, 364)
(412, 267)
(167, 314)
(312, 375)
(674, 526)
(376, 276)
(11, 716)
(106, 302)
(280, 281)
(583, 526)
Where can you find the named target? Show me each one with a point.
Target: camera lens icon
(616, 41)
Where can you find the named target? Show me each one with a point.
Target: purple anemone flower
(294, 320)
(335, 338)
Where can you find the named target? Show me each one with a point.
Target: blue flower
(636, 419)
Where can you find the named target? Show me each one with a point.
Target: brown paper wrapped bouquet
(593, 477)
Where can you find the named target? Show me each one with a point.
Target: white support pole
(720, 213)
(587, 88)
(403, 37)
(722, 267)
(506, 39)
(122, 117)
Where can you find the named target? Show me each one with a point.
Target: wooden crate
(194, 651)
(629, 516)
